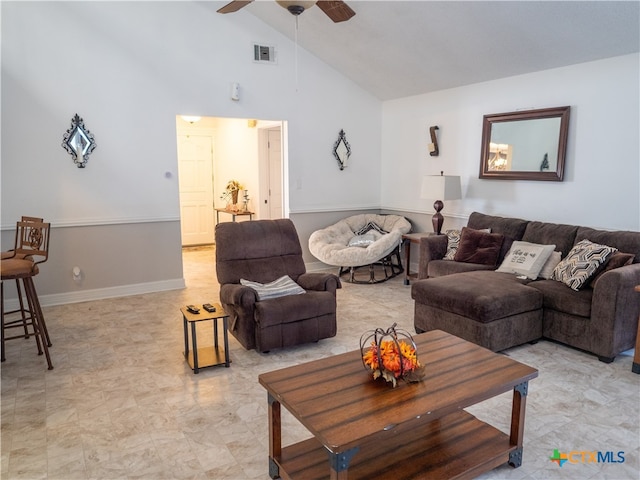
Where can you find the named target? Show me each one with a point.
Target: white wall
(601, 186)
(236, 157)
(128, 68)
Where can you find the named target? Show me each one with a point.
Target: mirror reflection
(528, 145)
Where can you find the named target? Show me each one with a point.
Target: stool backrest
(32, 239)
(24, 218)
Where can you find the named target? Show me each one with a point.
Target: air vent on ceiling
(264, 53)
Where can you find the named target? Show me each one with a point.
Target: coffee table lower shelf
(456, 446)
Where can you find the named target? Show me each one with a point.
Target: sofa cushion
(616, 260)
(624, 241)
(581, 263)
(294, 308)
(479, 247)
(512, 228)
(562, 236)
(509, 227)
(330, 244)
(557, 296)
(484, 296)
(526, 259)
(440, 268)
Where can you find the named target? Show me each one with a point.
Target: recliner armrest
(319, 281)
(236, 294)
(433, 247)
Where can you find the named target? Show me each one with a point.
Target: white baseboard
(102, 293)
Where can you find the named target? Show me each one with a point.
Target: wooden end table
(209, 356)
(416, 430)
(407, 240)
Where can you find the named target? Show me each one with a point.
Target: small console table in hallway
(233, 213)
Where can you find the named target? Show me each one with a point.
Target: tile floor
(122, 403)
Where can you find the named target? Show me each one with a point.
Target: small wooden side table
(407, 240)
(233, 213)
(203, 357)
(636, 356)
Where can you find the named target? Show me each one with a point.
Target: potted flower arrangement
(391, 355)
(231, 191)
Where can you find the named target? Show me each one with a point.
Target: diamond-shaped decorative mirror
(78, 141)
(342, 150)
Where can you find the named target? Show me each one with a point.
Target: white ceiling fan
(336, 10)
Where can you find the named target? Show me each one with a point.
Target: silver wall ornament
(78, 141)
(342, 150)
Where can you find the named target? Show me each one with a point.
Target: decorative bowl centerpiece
(391, 354)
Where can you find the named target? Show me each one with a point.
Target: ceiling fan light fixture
(296, 7)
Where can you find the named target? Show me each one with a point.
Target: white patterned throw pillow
(370, 226)
(581, 263)
(453, 240)
(550, 265)
(526, 259)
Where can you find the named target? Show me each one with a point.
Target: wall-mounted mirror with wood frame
(525, 145)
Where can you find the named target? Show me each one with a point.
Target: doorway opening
(214, 151)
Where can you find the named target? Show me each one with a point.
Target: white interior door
(195, 170)
(275, 172)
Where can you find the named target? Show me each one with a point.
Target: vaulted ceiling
(396, 49)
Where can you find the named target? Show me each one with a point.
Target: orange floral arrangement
(389, 357)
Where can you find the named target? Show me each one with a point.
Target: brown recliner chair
(263, 251)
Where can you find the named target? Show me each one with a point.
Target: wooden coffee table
(366, 429)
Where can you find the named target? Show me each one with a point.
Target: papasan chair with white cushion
(362, 240)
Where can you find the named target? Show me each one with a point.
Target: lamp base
(437, 220)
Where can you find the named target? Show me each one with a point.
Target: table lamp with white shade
(440, 187)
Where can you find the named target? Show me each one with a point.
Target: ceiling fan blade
(336, 10)
(234, 6)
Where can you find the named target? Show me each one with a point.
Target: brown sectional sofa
(500, 310)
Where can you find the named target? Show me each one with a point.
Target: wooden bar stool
(31, 249)
(23, 311)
